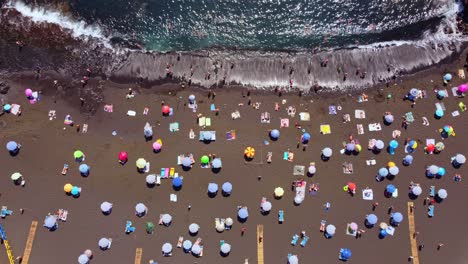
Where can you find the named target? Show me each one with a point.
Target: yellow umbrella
(249, 152)
(358, 147)
(391, 164)
(141, 163)
(159, 141)
(68, 187)
(279, 192)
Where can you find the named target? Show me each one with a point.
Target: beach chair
(360, 129)
(62, 214)
(269, 156)
(198, 241)
(160, 222)
(294, 240)
(158, 180)
(5, 212)
(432, 191)
(129, 228)
(304, 241)
(65, 169)
(280, 216)
(430, 211)
(179, 242)
(322, 225)
(461, 73)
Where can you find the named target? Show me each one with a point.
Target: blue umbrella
(227, 187)
(207, 135)
(243, 213)
(383, 172)
(394, 170)
(393, 144)
(397, 217)
(390, 188)
(439, 113)
(75, 191)
(177, 182)
(191, 98)
(408, 159)
(186, 162)
(217, 163)
(12, 146)
(441, 171)
(148, 131)
(383, 233)
(212, 187)
(345, 253)
(372, 219)
(414, 92)
(305, 137)
(441, 94)
(350, 147)
(274, 134)
(50, 222)
(187, 245)
(389, 119)
(83, 259)
(448, 77)
(84, 169)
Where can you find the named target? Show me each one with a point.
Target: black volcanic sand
(47, 146)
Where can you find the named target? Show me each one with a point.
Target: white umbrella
(88, 253)
(225, 248)
(379, 144)
(331, 229)
(229, 221)
(83, 259)
(312, 170)
(151, 179)
(266, 206)
(104, 242)
(166, 248)
(220, 227)
(327, 152)
(433, 169)
(193, 228)
(394, 170)
(442, 193)
(140, 208)
(196, 249)
(106, 207)
(417, 190)
(187, 245)
(167, 219)
(293, 260)
(298, 199)
(460, 159)
(50, 222)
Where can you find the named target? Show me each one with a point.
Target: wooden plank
(29, 242)
(138, 253)
(412, 230)
(260, 244)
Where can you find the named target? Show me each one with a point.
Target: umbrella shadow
(151, 185)
(216, 170)
(14, 153)
(226, 194)
(310, 174)
(177, 188)
(390, 177)
(150, 138)
(376, 151)
(107, 212)
(193, 234)
(324, 158)
(366, 224)
(263, 212)
(184, 168)
(241, 220)
(411, 196)
(223, 254)
(212, 195)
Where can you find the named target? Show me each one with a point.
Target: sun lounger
(304, 241)
(430, 211)
(432, 191)
(65, 169)
(208, 122)
(325, 129)
(322, 225)
(375, 127)
(62, 214)
(202, 121)
(179, 242)
(360, 129)
(284, 122)
(280, 216)
(171, 173)
(359, 114)
(294, 240)
(191, 134)
(213, 135)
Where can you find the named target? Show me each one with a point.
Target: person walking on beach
(374, 205)
(390, 209)
(439, 246)
(243, 230)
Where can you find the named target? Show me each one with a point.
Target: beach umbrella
(266, 206)
(204, 159)
(187, 245)
(442, 193)
(177, 182)
(106, 207)
(439, 113)
(293, 259)
(351, 186)
(274, 133)
(249, 152)
(448, 77)
(151, 179)
(350, 147)
(397, 217)
(83, 259)
(463, 88)
(140, 208)
(358, 148)
(220, 227)
(7, 108)
(312, 169)
(448, 129)
(196, 249)
(193, 228)
(217, 163)
(50, 222)
(104, 243)
(225, 248)
(166, 219)
(279, 192)
(345, 253)
(408, 159)
(305, 137)
(460, 159)
(88, 253)
(229, 221)
(389, 119)
(12, 146)
(330, 229)
(391, 164)
(433, 169)
(148, 130)
(165, 110)
(167, 248)
(353, 226)
(84, 169)
(393, 144)
(383, 172)
(212, 187)
(149, 227)
(416, 190)
(441, 171)
(383, 225)
(75, 190)
(379, 144)
(371, 219)
(141, 163)
(227, 187)
(414, 92)
(78, 154)
(394, 170)
(28, 92)
(123, 156)
(298, 199)
(191, 98)
(16, 176)
(327, 152)
(440, 94)
(186, 162)
(67, 187)
(413, 144)
(243, 213)
(390, 188)
(383, 233)
(207, 135)
(157, 146)
(439, 146)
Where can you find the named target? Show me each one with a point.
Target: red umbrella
(123, 156)
(352, 186)
(166, 109)
(430, 148)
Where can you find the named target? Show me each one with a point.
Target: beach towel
(396, 133)
(15, 109)
(332, 110)
(304, 116)
(347, 168)
(284, 122)
(368, 194)
(440, 106)
(265, 118)
(213, 135)
(131, 113)
(145, 111)
(346, 118)
(212, 107)
(208, 122)
(371, 162)
(298, 170)
(349, 231)
(461, 73)
(202, 121)
(325, 129)
(231, 135)
(409, 117)
(375, 127)
(455, 113)
(359, 114)
(109, 108)
(173, 127)
(235, 115)
(455, 91)
(360, 129)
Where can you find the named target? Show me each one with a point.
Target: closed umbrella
(177, 182)
(442, 193)
(140, 208)
(390, 188)
(416, 190)
(266, 206)
(12, 146)
(330, 229)
(212, 187)
(379, 144)
(217, 163)
(166, 219)
(274, 134)
(167, 248)
(327, 152)
(187, 245)
(16, 176)
(408, 160)
(193, 228)
(227, 187)
(103, 243)
(389, 119)
(225, 248)
(350, 147)
(84, 169)
(151, 179)
(106, 207)
(397, 217)
(394, 170)
(50, 222)
(433, 169)
(243, 213)
(279, 192)
(207, 135)
(229, 221)
(383, 172)
(141, 163)
(372, 219)
(293, 260)
(196, 249)
(186, 162)
(83, 259)
(312, 169)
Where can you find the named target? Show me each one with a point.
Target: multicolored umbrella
(249, 152)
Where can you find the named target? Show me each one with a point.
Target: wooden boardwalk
(138, 253)
(260, 244)
(29, 242)
(412, 230)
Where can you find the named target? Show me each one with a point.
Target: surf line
(412, 234)
(29, 242)
(260, 244)
(138, 253)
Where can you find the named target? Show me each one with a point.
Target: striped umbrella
(249, 152)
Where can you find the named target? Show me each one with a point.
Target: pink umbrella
(156, 146)
(463, 88)
(353, 226)
(123, 156)
(28, 92)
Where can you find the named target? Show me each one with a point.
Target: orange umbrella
(68, 187)
(352, 186)
(249, 152)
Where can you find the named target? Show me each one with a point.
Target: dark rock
(4, 87)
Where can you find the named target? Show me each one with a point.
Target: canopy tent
(227, 187)
(442, 194)
(371, 219)
(416, 190)
(166, 219)
(243, 213)
(266, 206)
(397, 217)
(212, 187)
(167, 248)
(327, 152)
(83, 259)
(104, 243)
(225, 248)
(106, 207)
(330, 229)
(193, 228)
(217, 164)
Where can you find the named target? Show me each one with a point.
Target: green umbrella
(16, 176)
(149, 227)
(205, 159)
(141, 163)
(78, 154)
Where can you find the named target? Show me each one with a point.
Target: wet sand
(47, 146)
